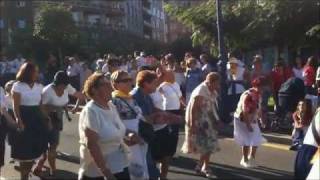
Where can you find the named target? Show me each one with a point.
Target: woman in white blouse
(55, 97)
(172, 100)
(31, 140)
(103, 152)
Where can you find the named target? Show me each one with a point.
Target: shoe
(244, 164)
(252, 162)
(207, 173)
(293, 148)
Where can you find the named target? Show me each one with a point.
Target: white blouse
(298, 72)
(2, 96)
(30, 96)
(108, 125)
(171, 94)
(50, 97)
(157, 100)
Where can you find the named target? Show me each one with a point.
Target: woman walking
(103, 152)
(246, 129)
(31, 141)
(172, 101)
(130, 114)
(55, 97)
(202, 123)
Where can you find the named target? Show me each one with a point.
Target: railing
(99, 25)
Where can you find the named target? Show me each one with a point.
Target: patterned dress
(205, 140)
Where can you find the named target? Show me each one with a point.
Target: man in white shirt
(141, 60)
(73, 71)
(318, 84)
(16, 64)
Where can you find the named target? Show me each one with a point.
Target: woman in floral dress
(201, 123)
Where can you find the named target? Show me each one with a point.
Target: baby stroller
(290, 93)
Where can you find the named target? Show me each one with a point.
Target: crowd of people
(135, 106)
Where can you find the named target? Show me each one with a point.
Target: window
(21, 24)
(1, 24)
(21, 4)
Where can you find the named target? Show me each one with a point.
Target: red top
(309, 75)
(301, 122)
(279, 78)
(251, 101)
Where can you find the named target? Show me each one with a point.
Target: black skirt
(32, 142)
(165, 141)
(3, 134)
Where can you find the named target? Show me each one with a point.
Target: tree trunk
(60, 57)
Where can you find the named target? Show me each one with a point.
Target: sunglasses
(124, 80)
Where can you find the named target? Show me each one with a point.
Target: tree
(56, 26)
(249, 24)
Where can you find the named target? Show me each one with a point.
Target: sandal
(37, 172)
(207, 173)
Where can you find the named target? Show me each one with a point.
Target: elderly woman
(55, 97)
(130, 114)
(31, 141)
(147, 82)
(201, 123)
(103, 152)
(246, 129)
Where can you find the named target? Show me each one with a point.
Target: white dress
(242, 135)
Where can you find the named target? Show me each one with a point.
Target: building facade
(154, 20)
(175, 29)
(14, 16)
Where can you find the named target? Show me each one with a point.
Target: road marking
(271, 145)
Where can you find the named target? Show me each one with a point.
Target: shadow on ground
(230, 172)
(61, 174)
(68, 158)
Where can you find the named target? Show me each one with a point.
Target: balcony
(89, 8)
(103, 26)
(146, 4)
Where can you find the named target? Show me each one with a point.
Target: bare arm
(195, 107)
(8, 117)
(96, 153)
(16, 109)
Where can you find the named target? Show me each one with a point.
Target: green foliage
(55, 24)
(251, 23)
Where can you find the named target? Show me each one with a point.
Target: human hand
(250, 128)
(108, 175)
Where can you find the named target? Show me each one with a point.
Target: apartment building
(14, 15)
(175, 29)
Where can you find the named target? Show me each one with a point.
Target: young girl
(246, 130)
(302, 118)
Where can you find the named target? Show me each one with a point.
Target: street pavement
(274, 161)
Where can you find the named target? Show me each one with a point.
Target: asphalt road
(274, 161)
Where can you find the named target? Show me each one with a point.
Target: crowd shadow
(61, 174)
(68, 158)
(223, 171)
